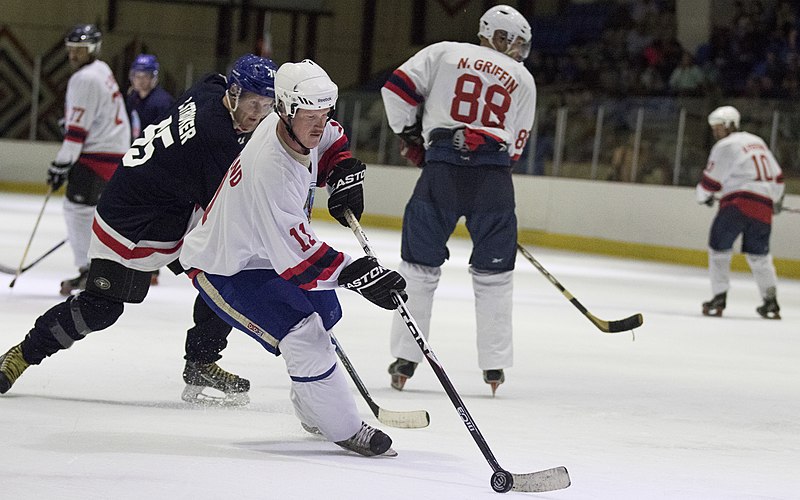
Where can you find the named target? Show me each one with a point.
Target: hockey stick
(791, 210)
(9, 270)
(501, 481)
(30, 240)
(621, 325)
(415, 419)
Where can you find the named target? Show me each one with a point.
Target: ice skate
(154, 278)
(77, 283)
(401, 370)
(12, 364)
(199, 377)
(715, 306)
(494, 378)
(770, 309)
(370, 442)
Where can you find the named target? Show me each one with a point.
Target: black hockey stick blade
(553, 479)
(620, 325)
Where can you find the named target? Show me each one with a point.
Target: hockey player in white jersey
(479, 103)
(97, 135)
(748, 181)
(257, 262)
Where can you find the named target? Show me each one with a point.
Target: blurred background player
(172, 169)
(146, 101)
(479, 103)
(97, 134)
(743, 173)
(259, 264)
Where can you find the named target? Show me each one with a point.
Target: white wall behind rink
(658, 216)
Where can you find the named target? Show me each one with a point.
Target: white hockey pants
(319, 401)
(719, 270)
(79, 230)
(764, 273)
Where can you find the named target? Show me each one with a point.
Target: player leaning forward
(479, 103)
(258, 263)
(746, 177)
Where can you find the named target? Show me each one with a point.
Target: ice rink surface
(693, 408)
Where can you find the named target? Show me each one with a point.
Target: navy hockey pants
(730, 223)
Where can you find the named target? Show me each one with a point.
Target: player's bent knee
(307, 349)
(116, 282)
(91, 312)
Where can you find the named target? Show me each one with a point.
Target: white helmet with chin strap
(304, 85)
(508, 19)
(725, 115)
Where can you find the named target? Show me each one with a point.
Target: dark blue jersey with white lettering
(175, 165)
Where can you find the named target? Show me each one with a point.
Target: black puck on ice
(502, 481)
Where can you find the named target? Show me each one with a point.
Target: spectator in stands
(687, 79)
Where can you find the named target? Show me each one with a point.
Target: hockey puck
(502, 481)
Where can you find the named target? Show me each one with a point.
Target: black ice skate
(77, 283)
(770, 309)
(401, 370)
(494, 378)
(200, 376)
(715, 306)
(12, 364)
(370, 442)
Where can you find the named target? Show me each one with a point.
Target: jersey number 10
(763, 168)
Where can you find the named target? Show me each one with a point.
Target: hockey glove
(57, 174)
(347, 189)
(414, 153)
(367, 277)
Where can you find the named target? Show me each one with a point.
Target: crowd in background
(636, 52)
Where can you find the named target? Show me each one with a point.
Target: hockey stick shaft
(561, 478)
(791, 210)
(8, 270)
(30, 240)
(621, 325)
(403, 419)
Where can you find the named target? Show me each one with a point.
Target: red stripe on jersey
(306, 276)
(515, 157)
(750, 204)
(404, 87)
(103, 164)
(710, 184)
(325, 273)
(75, 134)
(128, 253)
(331, 157)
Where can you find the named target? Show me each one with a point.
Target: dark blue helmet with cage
(85, 35)
(145, 62)
(253, 74)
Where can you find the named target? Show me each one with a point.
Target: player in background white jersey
(97, 134)
(476, 104)
(257, 262)
(744, 175)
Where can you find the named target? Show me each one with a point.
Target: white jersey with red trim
(742, 171)
(463, 84)
(97, 127)
(259, 217)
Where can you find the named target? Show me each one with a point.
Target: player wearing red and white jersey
(258, 263)
(477, 104)
(744, 175)
(97, 134)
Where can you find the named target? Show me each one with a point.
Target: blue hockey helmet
(85, 35)
(145, 62)
(253, 74)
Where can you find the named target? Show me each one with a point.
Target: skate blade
(771, 315)
(398, 382)
(715, 312)
(194, 394)
(494, 386)
(388, 453)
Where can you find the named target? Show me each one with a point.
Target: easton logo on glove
(373, 281)
(346, 189)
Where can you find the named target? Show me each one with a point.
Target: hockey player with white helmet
(258, 263)
(744, 175)
(147, 208)
(96, 135)
(476, 104)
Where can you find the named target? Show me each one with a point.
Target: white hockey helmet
(303, 85)
(725, 115)
(508, 19)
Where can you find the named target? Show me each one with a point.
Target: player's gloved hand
(412, 152)
(367, 277)
(347, 189)
(57, 174)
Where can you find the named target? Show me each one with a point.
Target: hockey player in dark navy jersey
(146, 100)
(162, 186)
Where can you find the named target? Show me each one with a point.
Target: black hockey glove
(347, 189)
(57, 174)
(367, 277)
